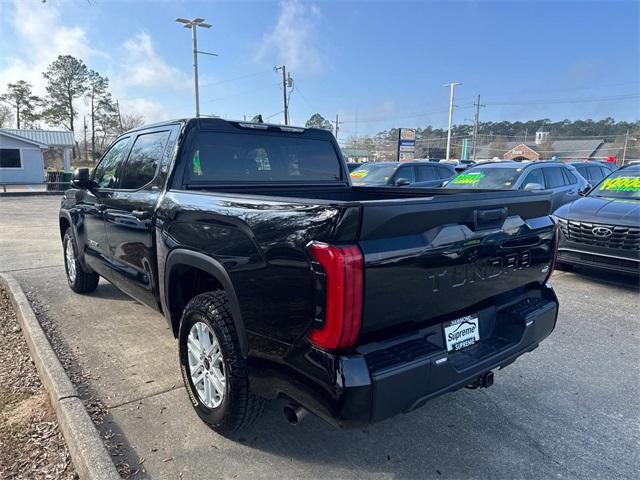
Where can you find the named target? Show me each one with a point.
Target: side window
(553, 177)
(569, 177)
(583, 171)
(107, 172)
(595, 173)
(405, 172)
(144, 158)
(534, 176)
(426, 173)
(445, 173)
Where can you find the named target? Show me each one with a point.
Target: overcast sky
(384, 62)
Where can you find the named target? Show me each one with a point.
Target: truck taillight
(341, 268)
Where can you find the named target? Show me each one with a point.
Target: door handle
(140, 214)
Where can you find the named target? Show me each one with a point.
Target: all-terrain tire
(79, 280)
(239, 407)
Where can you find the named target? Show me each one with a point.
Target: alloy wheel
(206, 365)
(70, 257)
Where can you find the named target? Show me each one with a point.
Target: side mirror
(533, 186)
(402, 182)
(81, 178)
(584, 190)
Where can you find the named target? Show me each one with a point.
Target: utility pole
(624, 150)
(337, 124)
(193, 25)
(287, 81)
(452, 86)
(356, 125)
(476, 123)
(86, 152)
(93, 126)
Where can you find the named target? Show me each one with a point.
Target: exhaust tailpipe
(294, 413)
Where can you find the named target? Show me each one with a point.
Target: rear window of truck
(217, 157)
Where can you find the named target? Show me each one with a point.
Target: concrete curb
(89, 455)
(30, 194)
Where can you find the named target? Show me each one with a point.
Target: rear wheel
(79, 280)
(213, 370)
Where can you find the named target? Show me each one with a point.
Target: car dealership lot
(568, 410)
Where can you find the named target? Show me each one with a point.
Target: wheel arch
(64, 222)
(203, 274)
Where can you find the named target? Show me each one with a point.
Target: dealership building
(545, 148)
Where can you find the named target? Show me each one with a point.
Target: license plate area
(462, 332)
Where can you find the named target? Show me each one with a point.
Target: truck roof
(220, 122)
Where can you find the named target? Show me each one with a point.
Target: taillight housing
(338, 280)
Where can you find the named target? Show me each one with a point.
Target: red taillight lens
(342, 309)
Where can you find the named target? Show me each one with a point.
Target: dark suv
(562, 179)
(602, 229)
(396, 174)
(593, 172)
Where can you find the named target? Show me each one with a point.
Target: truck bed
(427, 253)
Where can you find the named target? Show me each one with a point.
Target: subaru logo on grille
(602, 232)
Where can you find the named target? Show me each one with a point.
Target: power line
(261, 88)
(233, 79)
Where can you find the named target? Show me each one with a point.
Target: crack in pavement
(31, 268)
(129, 402)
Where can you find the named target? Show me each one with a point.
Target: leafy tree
(20, 97)
(103, 110)
(67, 80)
(6, 116)
(318, 121)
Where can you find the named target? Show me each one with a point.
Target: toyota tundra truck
(279, 279)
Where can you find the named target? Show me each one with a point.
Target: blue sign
(406, 144)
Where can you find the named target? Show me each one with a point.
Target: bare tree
(6, 116)
(130, 121)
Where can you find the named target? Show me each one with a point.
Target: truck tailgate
(438, 258)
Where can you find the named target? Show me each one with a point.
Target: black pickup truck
(281, 279)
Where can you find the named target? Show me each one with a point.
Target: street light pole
(194, 36)
(452, 87)
(193, 25)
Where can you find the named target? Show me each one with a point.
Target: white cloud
(40, 37)
(37, 33)
(151, 110)
(292, 40)
(144, 67)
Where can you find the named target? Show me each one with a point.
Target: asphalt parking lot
(570, 409)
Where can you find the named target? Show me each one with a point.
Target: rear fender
(184, 257)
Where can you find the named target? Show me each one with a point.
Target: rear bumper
(383, 379)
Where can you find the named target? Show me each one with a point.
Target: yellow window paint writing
(471, 178)
(621, 184)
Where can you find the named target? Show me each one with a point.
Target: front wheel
(79, 280)
(213, 369)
